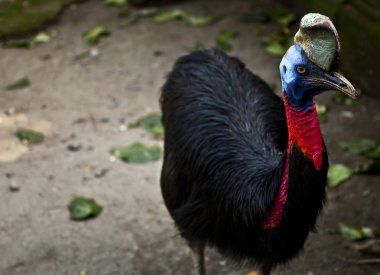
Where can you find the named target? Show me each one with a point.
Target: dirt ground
(84, 101)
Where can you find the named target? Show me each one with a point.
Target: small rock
(14, 186)
(155, 65)
(100, 173)
(366, 193)
(66, 139)
(123, 127)
(158, 53)
(222, 263)
(74, 147)
(347, 114)
(11, 111)
(45, 57)
(104, 120)
(94, 52)
(80, 120)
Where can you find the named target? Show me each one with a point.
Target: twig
(363, 261)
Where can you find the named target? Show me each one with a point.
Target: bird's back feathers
(225, 148)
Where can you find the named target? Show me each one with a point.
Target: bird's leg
(265, 269)
(198, 255)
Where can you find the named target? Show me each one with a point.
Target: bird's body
(225, 152)
(245, 171)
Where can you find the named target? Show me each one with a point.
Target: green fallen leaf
(115, 2)
(82, 208)
(286, 20)
(322, 113)
(274, 38)
(30, 136)
(350, 233)
(374, 153)
(370, 168)
(376, 117)
(40, 38)
(137, 153)
(19, 84)
(223, 39)
(150, 123)
(149, 12)
(198, 20)
(253, 18)
(165, 16)
(129, 19)
(18, 43)
(358, 146)
(337, 174)
(274, 12)
(277, 14)
(342, 99)
(28, 42)
(93, 36)
(196, 46)
(177, 14)
(276, 44)
(275, 49)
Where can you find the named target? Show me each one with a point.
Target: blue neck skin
(299, 91)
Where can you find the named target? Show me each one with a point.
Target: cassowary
(243, 170)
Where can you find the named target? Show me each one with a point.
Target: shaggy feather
(225, 148)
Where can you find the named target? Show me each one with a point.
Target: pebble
(100, 173)
(366, 193)
(104, 120)
(14, 186)
(75, 147)
(11, 111)
(112, 158)
(94, 52)
(347, 114)
(123, 127)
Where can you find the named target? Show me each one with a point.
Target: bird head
(310, 66)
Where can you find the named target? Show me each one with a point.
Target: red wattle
(275, 215)
(305, 132)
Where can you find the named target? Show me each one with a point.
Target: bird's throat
(304, 132)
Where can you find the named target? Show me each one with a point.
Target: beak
(336, 81)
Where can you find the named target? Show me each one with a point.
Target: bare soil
(84, 100)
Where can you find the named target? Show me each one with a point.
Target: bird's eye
(301, 69)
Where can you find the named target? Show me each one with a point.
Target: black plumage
(225, 147)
